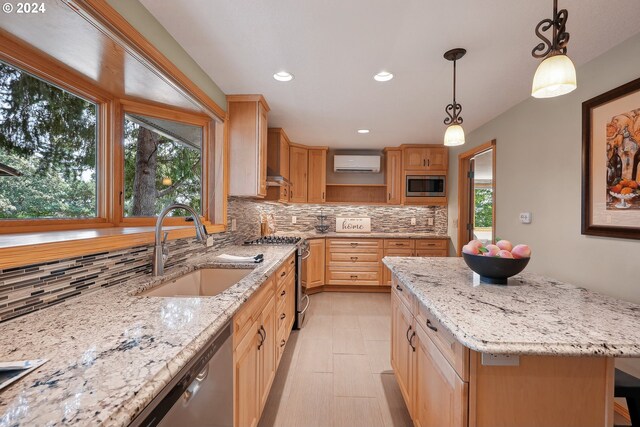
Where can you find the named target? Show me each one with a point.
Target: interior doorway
(477, 194)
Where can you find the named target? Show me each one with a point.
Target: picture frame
(611, 163)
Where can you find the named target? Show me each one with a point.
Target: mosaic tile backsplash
(34, 287)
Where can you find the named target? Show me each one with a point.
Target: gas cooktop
(274, 240)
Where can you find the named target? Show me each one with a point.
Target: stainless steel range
(302, 252)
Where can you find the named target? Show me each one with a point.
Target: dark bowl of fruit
(496, 263)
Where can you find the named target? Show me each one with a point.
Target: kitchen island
(537, 352)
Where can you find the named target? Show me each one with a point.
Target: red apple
(475, 243)
(504, 245)
(521, 251)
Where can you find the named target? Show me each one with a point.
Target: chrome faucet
(161, 252)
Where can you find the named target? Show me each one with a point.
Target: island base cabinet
(402, 334)
(441, 396)
(543, 391)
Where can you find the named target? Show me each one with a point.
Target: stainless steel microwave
(426, 186)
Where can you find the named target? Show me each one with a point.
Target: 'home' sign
(353, 225)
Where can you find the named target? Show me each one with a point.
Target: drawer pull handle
(398, 287)
(431, 244)
(282, 316)
(262, 337)
(410, 337)
(283, 293)
(354, 244)
(354, 276)
(282, 343)
(430, 326)
(354, 258)
(283, 274)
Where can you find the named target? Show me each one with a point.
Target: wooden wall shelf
(357, 193)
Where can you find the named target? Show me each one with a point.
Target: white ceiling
(334, 47)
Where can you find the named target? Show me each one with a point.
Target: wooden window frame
(68, 80)
(207, 161)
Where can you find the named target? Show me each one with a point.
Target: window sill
(22, 249)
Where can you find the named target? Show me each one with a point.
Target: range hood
(277, 181)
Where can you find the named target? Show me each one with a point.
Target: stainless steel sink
(205, 282)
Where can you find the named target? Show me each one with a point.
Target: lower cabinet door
(267, 352)
(246, 381)
(441, 397)
(402, 331)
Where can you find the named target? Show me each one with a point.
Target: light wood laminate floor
(336, 371)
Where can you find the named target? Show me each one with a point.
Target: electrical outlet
(525, 217)
(413, 221)
(234, 224)
(429, 221)
(294, 220)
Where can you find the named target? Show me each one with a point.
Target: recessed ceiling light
(363, 130)
(283, 76)
(383, 76)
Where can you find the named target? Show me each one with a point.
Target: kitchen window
(48, 150)
(162, 165)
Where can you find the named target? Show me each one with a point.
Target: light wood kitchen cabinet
(440, 394)
(393, 175)
(278, 163)
(313, 267)
(402, 336)
(267, 350)
(246, 379)
(298, 168)
(317, 176)
(386, 273)
(247, 145)
(259, 338)
(425, 158)
(354, 262)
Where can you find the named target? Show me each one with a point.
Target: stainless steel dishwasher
(201, 395)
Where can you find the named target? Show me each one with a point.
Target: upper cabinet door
(425, 158)
(247, 145)
(437, 159)
(317, 182)
(415, 158)
(393, 176)
(298, 158)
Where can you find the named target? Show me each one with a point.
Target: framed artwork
(611, 163)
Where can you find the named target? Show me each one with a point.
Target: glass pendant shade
(454, 136)
(555, 76)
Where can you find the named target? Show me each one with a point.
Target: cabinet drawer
(432, 244)
(281, 274)
(399, 243)
(353, 276)
(432, 252)
(372, 257)
(403, 293)
(282, 316)
(291, 263)
(456, 354)
(341, 245)
(398, 252)
(284, 289)
(251, 310)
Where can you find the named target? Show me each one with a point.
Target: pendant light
(454, 134)
(556, 74)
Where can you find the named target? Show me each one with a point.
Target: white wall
(539, 145)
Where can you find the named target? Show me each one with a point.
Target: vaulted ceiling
(334, 47)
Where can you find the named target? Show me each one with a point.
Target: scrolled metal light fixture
(454, 134)
(556, 74)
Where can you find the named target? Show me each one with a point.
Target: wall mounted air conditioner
(356, 163)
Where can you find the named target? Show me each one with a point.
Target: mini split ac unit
(356, 163)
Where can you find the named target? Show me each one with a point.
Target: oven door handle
(306, 306)
(307, 254)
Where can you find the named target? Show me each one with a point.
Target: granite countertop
(532, 315)
(372, 235)
(112, 352)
